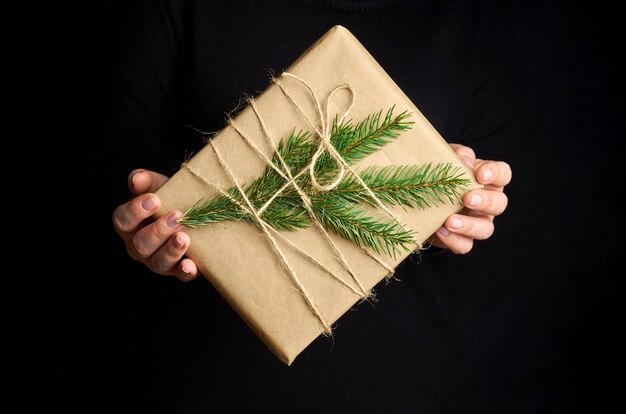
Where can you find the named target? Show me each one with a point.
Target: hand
(475, 220)
(159, 244)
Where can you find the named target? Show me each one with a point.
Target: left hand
(159, 244)
(475, 220)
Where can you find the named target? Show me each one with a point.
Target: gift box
(292, 285)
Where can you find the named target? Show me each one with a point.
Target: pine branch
(297, 152)
(352, 223)
(411, 186)
(215, 210)
(369, 135)
(340, 210)
(354, 143)
(287, 213)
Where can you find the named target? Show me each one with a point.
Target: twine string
(323, 129)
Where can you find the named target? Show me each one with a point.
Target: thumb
(142, 181)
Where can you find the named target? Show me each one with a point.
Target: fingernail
(487, 175)
(185, 270)
(134, 178)
(475, 200)
(457, 223)
(443, 231)
(149, 204)
(172, 220)
(177, 242)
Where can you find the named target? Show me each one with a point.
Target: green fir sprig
(345, 209)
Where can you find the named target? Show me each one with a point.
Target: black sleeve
(139, 121)
(493, 127)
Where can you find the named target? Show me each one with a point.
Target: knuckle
(138, 244)
(506, 170)
(160, 265)
(488, 231)
(502, 205)
(157, 231)
(464, 151)
(468, 226)
(463, 248)
(116, 218)
(118, 224)
(503, 173)
(461, 245)
(135, 207)
(467, 247)
(130, 249)
(495, 203)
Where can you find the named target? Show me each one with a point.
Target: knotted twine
(323, 130)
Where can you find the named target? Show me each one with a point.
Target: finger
(142, 181)
(127, 217)
(495, 173)
(165, 260)
(477, 228)
(150, 238)
(466, 154)
(187, 270)
(456, 243)
(485, 201)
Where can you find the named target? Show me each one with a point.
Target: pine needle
(341, 210)
(413, 186)
(352, 223)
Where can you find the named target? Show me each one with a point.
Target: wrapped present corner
(284, 204)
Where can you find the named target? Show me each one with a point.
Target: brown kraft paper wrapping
(238, 258)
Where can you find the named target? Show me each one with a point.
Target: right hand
(159, 244)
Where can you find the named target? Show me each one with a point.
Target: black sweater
(427, 346)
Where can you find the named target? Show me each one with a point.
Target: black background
(557, 348)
